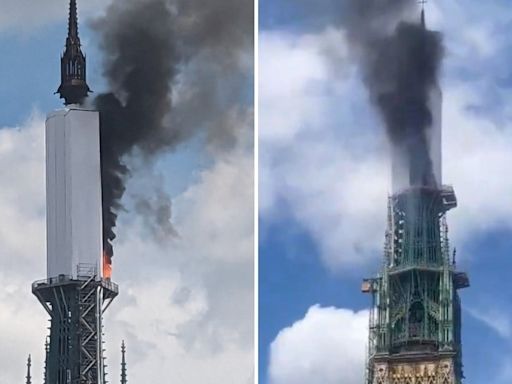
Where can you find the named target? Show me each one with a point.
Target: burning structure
(158, 57)
(415, 320)
(78, 288)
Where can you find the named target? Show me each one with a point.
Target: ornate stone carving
(430, 372)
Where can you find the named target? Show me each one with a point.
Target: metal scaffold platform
(76, 308)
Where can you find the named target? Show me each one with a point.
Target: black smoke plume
(400, 61)
(150, 46)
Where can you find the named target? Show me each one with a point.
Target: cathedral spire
(29, 365)
(123, 364)
(73, 88)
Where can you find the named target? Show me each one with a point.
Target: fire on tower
(415, 320)
(78, 287)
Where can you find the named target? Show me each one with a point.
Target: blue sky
(319, 145)
(30, 72)
(171, 310)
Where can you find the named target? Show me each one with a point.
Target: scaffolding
(415, 311)
(76, 308)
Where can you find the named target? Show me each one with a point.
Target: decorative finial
(123, 364)
(29, 365)
(73, 88)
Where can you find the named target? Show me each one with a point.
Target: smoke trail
(149, 48)
(400, 61)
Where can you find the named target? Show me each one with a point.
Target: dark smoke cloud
(174, 69)
(400, 61)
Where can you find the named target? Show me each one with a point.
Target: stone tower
(415, 321)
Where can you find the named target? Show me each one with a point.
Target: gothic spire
(29, 365)
(73, 88)
(123, 364)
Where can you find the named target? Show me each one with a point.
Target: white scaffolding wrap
(73, 193)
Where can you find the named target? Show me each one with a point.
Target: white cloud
(323, 152)
(185, 307)
(291, 70)
(21, 196)
(22, 258)
(335, 185)
(327, 346)
(477, 154)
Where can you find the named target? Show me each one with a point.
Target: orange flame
(107, 266)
